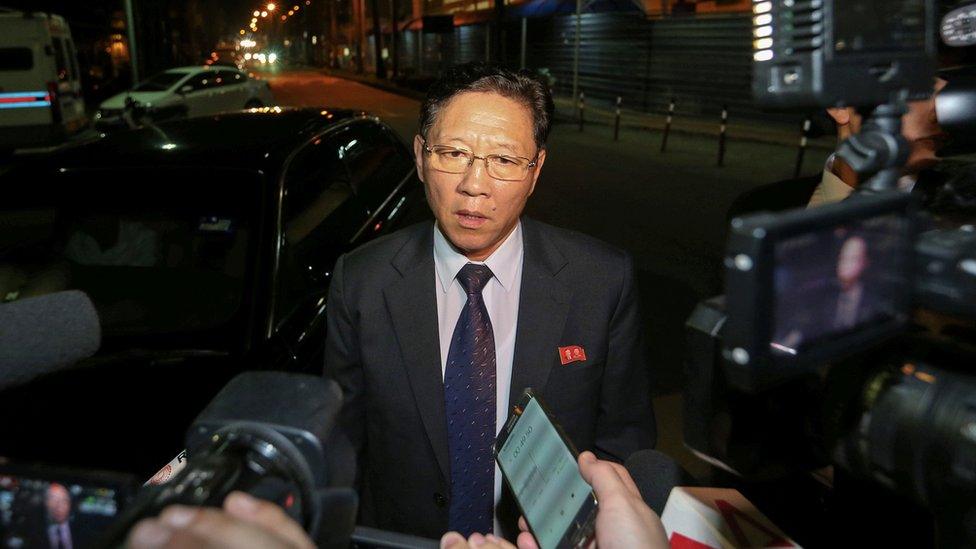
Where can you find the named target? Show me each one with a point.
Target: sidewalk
(738, 130)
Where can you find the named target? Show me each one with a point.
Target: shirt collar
(504, 262)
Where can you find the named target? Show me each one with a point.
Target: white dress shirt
(501, 297)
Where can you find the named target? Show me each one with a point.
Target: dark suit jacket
(383, 348)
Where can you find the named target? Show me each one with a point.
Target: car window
(230, 77)
(375, 159)
(16, 59)
(152, 261)
(160, 81)
(316, 206)
(60, 59)
(202, 81)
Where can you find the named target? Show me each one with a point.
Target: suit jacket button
(440, 500)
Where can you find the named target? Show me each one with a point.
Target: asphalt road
(668, 210)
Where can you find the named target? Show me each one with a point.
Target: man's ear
(418, 155)
(540, 160)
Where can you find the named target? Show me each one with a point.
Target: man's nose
(476, 181)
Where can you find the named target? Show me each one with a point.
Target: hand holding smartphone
(538, 462)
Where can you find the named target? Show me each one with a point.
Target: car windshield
(159, 82)
(158, 252)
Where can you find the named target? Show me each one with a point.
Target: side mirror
(185, 89)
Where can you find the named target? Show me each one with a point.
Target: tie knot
(474, 277)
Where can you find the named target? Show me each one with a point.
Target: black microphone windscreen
(43, 334)
(655, 474)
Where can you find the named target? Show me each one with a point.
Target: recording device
(40, 335)
(42, 506)
(817, 354)
(539, 464)
(269, 434)
(835, 53)
(811, 286)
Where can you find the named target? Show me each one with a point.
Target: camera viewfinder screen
(43, 513)
(878, 25)
(838, 280)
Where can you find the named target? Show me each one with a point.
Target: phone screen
(544, 476)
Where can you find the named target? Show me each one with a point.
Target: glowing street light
(264, 14)
(242, 32)
(256, 13)
(271, 7)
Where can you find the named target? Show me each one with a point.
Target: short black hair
(521, 86)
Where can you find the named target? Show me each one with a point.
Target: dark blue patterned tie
(469, 396)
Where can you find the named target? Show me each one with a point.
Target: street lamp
(264, 14)
(271, 7)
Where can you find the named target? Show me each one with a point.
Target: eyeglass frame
(533, 162)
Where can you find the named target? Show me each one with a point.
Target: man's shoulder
(384, 249)
(575, 246)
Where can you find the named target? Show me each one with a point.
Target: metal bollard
(582, 106)
(667, 126)
(721, 135)
(804, 138)
(616, 121)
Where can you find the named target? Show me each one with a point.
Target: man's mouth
(469, 219)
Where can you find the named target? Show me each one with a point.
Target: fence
(702, 61)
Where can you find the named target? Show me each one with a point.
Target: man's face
(475, 211)
(852, 261)
(58, 503)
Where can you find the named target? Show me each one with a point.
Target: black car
(207, 247)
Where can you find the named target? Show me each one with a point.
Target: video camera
(845, 332)
(247, 439)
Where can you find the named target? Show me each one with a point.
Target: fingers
(267, 515)
(626, 478)
(253, 525)
(523, 526)
(601, 476)
(526, 541)
(454, 540)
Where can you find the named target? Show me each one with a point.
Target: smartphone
(539, 464)
(42, 506)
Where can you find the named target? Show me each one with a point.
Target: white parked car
(186, 91)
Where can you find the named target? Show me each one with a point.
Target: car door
(231, 91)
(381, 172)
(319, 214)
(199, 94)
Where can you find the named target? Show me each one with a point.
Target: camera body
(815, 355)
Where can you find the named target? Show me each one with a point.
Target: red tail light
(52, 92)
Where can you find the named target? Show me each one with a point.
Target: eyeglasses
(446, 158)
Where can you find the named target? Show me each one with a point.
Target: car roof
(250, 139)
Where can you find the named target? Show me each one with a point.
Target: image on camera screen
(837, 280)
(878, 25)
(45, 513)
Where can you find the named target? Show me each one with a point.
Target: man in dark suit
(436, 329)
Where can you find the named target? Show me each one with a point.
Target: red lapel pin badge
(572, 353)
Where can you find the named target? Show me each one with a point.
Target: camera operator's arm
(244, 522)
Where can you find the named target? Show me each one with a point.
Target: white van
(40, 85)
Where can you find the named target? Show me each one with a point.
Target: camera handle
(879, 151)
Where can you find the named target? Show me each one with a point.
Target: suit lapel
(413, 307)
(543, 306)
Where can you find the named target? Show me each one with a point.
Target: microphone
(655, 474)
(44, 334)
